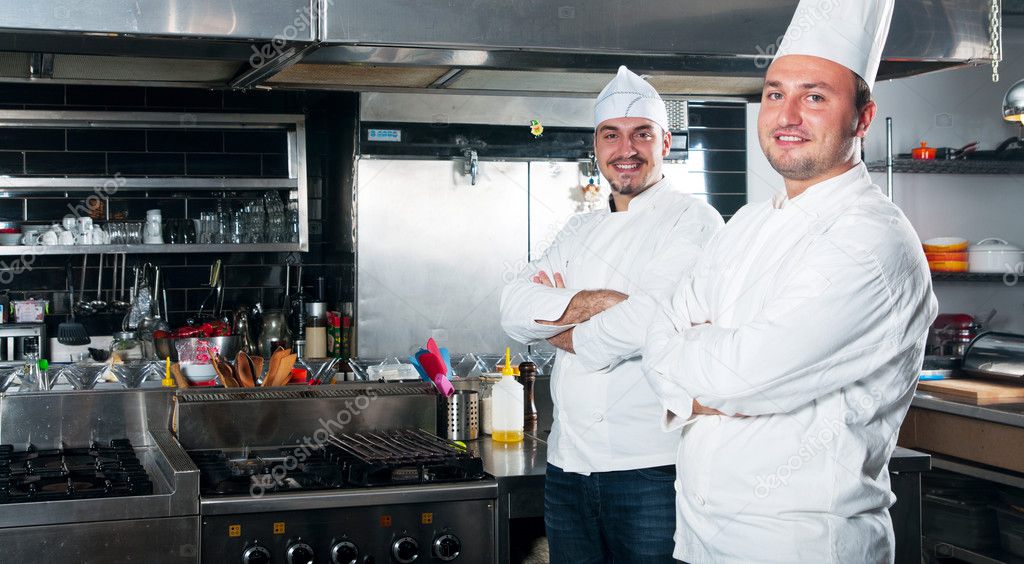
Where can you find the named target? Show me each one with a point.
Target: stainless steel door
(434, 252)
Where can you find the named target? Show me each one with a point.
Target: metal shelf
(932, 166)
(999, 476)
(151, 249)
(943, 550)
(966, 277)
(294, 127)
(176, 184)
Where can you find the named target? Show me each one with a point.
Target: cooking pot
(994, 256)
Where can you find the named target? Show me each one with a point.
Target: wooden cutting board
(977, 391)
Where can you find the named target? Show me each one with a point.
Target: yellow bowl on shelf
(946, 245)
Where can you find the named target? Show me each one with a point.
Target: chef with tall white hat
(803, 327)
(608, 491)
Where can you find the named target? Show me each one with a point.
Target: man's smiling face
(630, 152)
(809, 121)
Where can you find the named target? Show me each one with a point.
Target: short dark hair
(862, 94)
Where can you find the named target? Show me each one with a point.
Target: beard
(833, 153)
(633, 186)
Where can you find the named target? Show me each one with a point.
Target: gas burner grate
(389, 458)
(402, 457)
(71, 473)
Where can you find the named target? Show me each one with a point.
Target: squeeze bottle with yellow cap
(507, 406)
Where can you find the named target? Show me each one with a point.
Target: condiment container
(507, 406)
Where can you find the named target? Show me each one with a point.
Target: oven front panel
(456, 531)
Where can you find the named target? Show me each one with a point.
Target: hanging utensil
(70, 332)
(83, 306)
(117, 302)
(98, 304)
(215, 280)
(161, 319)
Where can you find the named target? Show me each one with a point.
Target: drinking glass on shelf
(133, 232)
(209, 227)
(115, 230)
(277, 230)
(255, 221)
(238, 224)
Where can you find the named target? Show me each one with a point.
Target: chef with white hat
(609, 492)
(803, 325)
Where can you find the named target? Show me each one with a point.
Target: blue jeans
(623, 517)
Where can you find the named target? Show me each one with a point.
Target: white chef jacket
(810, 318)
(606, 416)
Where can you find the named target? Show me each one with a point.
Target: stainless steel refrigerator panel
(434, 251)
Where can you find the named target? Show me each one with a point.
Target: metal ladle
(83, 307)
(117, 299)
(98, 304)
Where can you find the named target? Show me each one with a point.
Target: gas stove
(400, 457)
(355, 475)
(33, 474)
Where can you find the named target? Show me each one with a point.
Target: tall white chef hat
(628, 95)
(851, 33)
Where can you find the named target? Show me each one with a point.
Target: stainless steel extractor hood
(536, 47)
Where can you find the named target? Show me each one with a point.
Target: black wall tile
(183, 98)
(718, 116)
(275, 165)
(134, 209)
(261, 100)
(11, 208)
(146, 164)
(12, 162)
(34, 94)
(227, 164)
(718, 161)
(256, 142)
(59, 164)
(718, 139)
(176, 300)
(181, 141)
(53, 209)
(106, 96)
(27, 139)
(106, 140)
(40, 279)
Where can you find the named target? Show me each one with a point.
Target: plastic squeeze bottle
(507, 403)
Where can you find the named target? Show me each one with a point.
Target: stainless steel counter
(1006, 414)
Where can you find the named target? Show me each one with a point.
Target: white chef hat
(628, 95)
(851, 33)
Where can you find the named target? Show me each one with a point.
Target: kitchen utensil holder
(459, 415)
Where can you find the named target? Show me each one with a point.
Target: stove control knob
(405, 550)
(447, 547)
(345, 552)
(256, 555)
(300, 553)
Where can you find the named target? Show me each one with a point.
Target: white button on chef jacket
(812, 315)
(606, 416)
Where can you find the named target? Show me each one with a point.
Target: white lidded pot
(994, 256)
